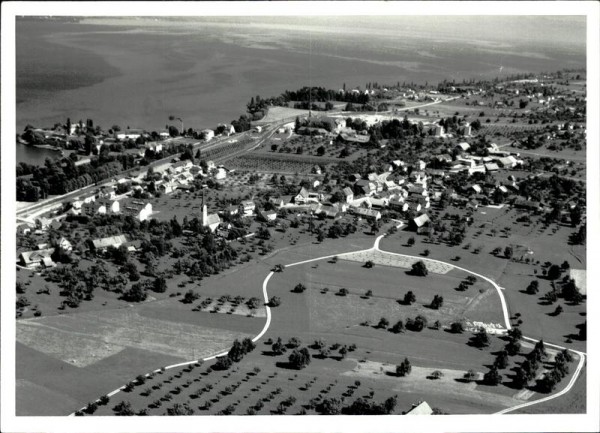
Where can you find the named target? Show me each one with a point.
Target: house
(349, 138)
(280, 201)
(348, 194)
(476, 188)
(207, 134)
(43, 223)
(167, 187)
(107, 192)
(439, 131)
(25, 228)
(112, 241)
(37, 258)
(232, 210)
(420, 221)
(226, 128)
(130, 134)
(491, 167)
(267, 215)
(507, 161)
(220, 173)
(370, 214)
(421, 408)
(464, 146)
(247, 207)
(154, 147)
(163, 134)
(331, 212)
(138, 210)
(444, 157)
(100, 207)
(304, 197)
(364, 187)
(65, 245)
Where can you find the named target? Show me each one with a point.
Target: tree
(419, 269)
(501, 360)
(383, 323)
(492, 377)
(437, 374)
(513, 347)
(554, 272)
(533, 287)
(437, 302)
(330, 406)
(253, 303)
(418, 324)
(320, 151)
(300, 288)
(222, 363)
(515, 334)
(398, 327)
(278, 347)
(123, 409)
(481, 338)
(457, 327)
(237, 352)
(508, 252)
(275, 301)
(470, 375)
(549, 381)
(409, 298)
(137, 293)
(369, 264)
(159, 285)
(496, 251)
(299, 359)
(404, 368)
(410, 242)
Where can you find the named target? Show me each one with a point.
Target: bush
(299, 359)
(300, 288)
(419, 269)
(404, 369)
(457, 327)
(342, 292)
(275, 301)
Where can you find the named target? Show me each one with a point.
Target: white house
(132, 134)
(138, 210)
(207, 134)
(247, 207)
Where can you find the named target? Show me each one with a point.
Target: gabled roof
(109, 241)
(421, 409)
(421, 220)
(347, 191)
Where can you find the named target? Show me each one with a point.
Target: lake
(137, 73)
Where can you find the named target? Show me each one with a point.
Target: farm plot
(332, 309)
(86, 338)
(277, 163)
(387, 259)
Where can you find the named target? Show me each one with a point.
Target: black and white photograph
(237, 211)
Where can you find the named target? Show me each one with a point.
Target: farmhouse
(420, 409)
(100, 207)
(267, 215)
(138, 210)
(112, 241)
(369, 214)
(130, 134)
(34, 259)
(347, 138)
(419, 222)
(247, 207)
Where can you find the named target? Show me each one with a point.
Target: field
(263, 383)
(541, 241)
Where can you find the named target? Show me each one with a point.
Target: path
(375, 247)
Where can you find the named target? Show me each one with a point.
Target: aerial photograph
(299, 215)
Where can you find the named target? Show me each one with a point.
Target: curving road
(375, 247)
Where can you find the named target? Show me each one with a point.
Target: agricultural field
(324, 322)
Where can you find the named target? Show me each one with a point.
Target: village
(481, 184)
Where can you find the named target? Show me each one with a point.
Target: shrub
(419, 269)
(404, 369)
(300, 288)
(275, 301)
